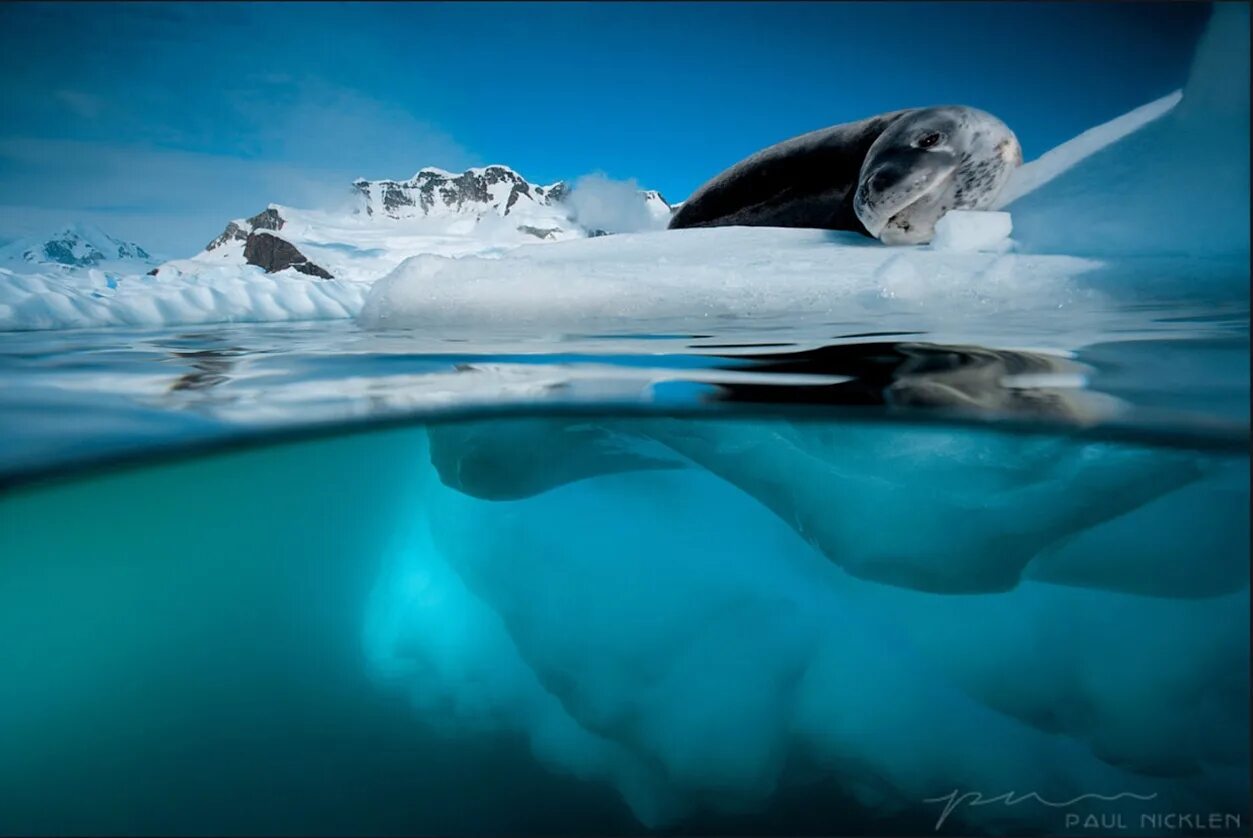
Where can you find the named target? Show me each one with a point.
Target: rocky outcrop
(555, 194)
(272, 254)
(233, 232)
(498, 189)
(436, 192)
(268, 219)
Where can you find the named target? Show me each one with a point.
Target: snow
(614, 206)
(702, 274)
(434, 194)
(74, 246)
(1160, 191)
(208, 295)
(965, 230)
(360, 248)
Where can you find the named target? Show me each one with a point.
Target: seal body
(891, 176)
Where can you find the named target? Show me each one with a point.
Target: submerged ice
(760, 603)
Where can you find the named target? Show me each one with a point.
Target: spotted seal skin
(890, 177)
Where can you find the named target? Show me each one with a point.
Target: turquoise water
(304, 579)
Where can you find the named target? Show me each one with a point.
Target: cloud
(303, 144)
(300, 119)
(615, 206)
(171, 202)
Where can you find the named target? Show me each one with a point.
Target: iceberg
(39, 301)
(724, 274)
(1005, 502)
(718, 652)
(707, 613)
(1154, 197)
(1158, 194)
(906, 614)
(1177, 186)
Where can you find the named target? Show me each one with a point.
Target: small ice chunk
(972, 230)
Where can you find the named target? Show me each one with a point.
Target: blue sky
(162, 121)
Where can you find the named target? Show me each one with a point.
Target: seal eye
(928, 140)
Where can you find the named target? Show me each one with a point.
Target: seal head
(930, 161)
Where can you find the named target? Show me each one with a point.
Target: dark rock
(540, 232)
(558, 192)
(519, 188)
(152, 272)
(267, 219)
(62, 252)
(233, 232)
(127, 250)
(466, 187)
(272, 254)
(311, 269)
(395, 196)
(428, 189)
(363, 188)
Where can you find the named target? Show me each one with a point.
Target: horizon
(110, 104)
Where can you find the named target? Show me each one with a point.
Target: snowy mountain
(481, 211)
(291, 264)
(73, 247)
(436, 193)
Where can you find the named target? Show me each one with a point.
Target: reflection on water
(211, 367)
(132, 392)
(923, 376)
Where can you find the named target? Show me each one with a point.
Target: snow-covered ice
(1165, 182)
(966, 230)
(208, 295)
(700, 274)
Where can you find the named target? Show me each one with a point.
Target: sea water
(305, 579)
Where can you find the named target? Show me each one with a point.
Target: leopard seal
(891, 176)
